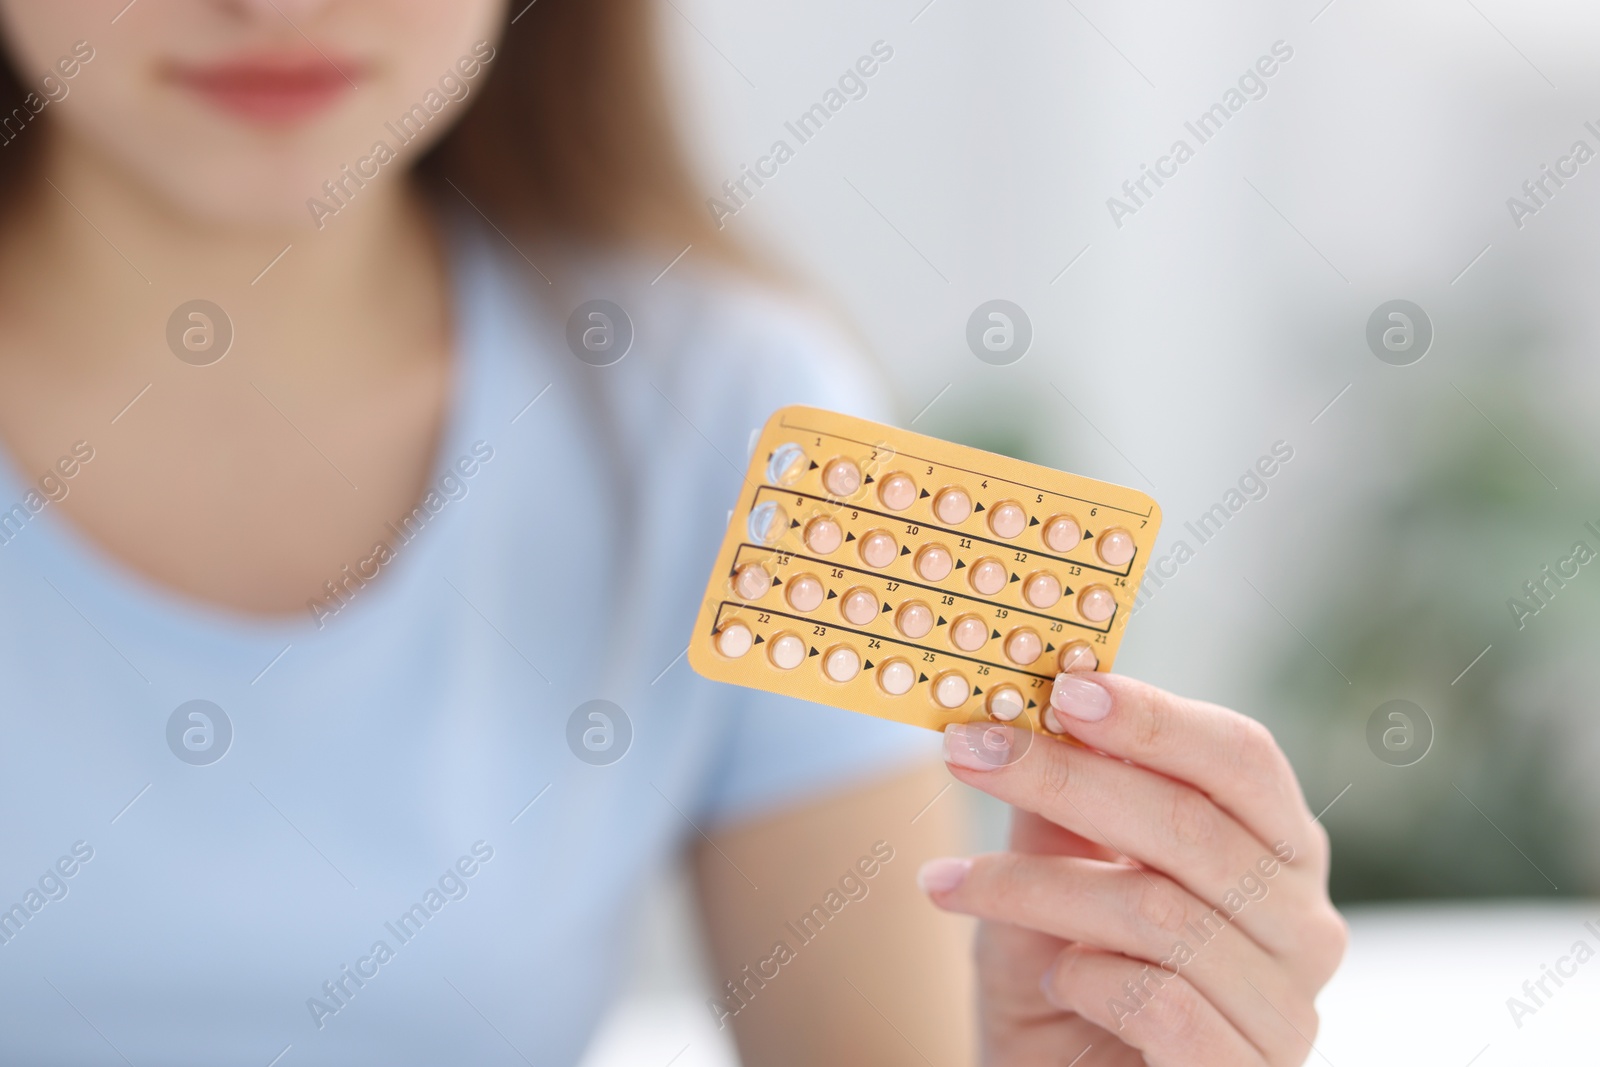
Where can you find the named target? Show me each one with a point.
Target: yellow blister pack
(890, 573)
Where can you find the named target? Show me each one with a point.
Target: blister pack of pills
(898, 575)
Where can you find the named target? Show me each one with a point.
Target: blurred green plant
(1504, 804)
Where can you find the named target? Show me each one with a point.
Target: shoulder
(713, 314)
(727, 351)
(710, 354)
(691, 321)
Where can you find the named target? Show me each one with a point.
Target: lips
(271, 90)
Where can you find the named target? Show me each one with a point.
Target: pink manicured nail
(976, 746)
(1080, 698)
(941, 876)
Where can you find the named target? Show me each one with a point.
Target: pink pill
(1096, 603)
(841, 663)
(878, 549)
(786, 651)
(896, 677)
(804, 592)
(1042, 590)
(823, 536)
(1062, 533)
(1007, 519)
(988, 576)
(841, 477)
(1078, 656)
(1023, 646)
(751, 582)
(950, 689)
(914, 619)
(1115, 546)
(859, 606)
(968, 633)
(1005, 702)
(897, 492)
(734, 640)
(952, 506)
(934, 563)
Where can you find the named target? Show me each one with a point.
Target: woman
(328, 519)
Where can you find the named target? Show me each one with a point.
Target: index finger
(1230, 757)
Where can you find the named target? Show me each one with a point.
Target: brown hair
(571, 138)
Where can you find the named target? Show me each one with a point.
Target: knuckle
(1321, 843)
(1310, 1021)
(1308, 851)
(1191, 818)
(1254, 752)
(1154, 725)
(1062, 981)
(1306, 1022)
(1179, 1013)
(1161, 904)
(1341, 932)
(1068, 963)
(1329, 940)
(1055, 772)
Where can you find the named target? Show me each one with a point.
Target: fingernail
(1049, 979)
(1080, 698)
(1047, 983)
(941, 876)
(976, 747)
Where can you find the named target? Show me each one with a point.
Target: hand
(1165, 898)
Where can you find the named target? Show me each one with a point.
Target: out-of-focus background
(1181, 336)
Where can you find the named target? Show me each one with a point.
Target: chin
(244, 204)
(241, 190)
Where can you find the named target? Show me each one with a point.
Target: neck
(95, 254)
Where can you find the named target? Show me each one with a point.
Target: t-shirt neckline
(114, 590)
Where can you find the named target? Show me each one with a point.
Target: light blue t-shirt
(400, 858)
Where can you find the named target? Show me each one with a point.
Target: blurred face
(244, 111)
